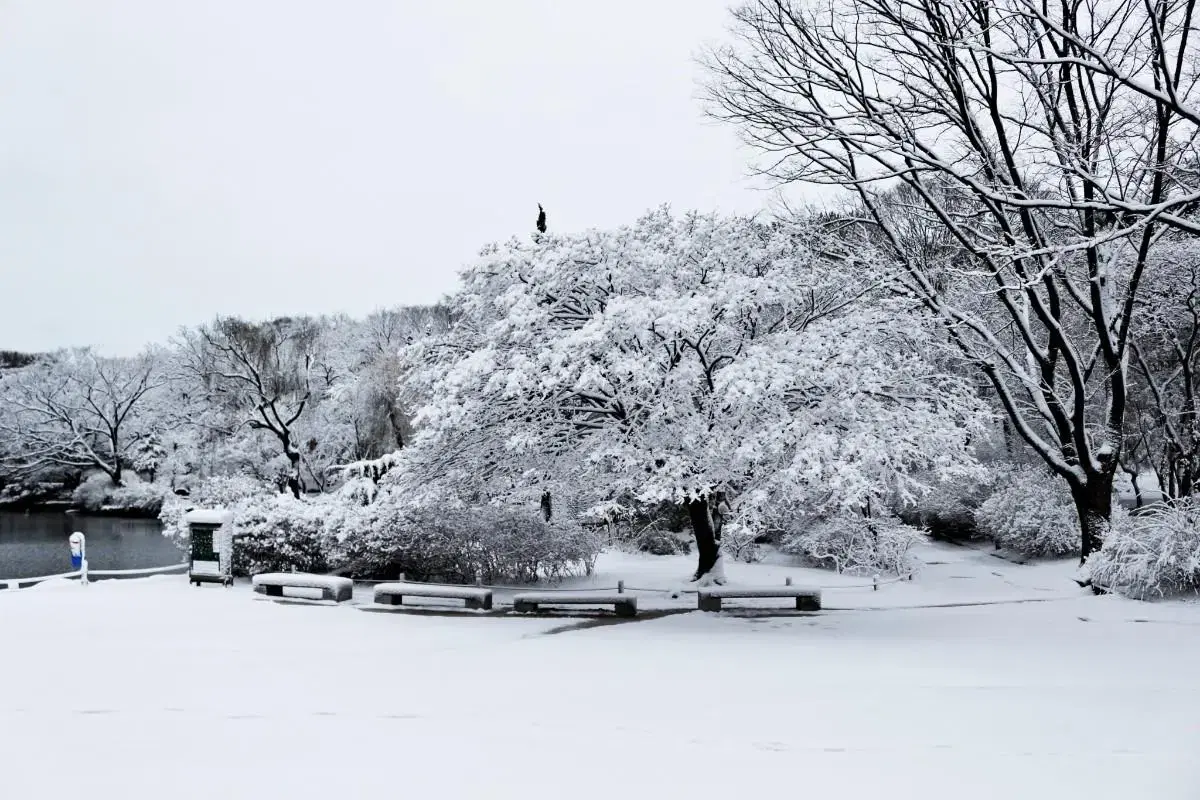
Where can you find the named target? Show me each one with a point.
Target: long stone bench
(709, 598)
(394, 593)
(624, 604)
(332, 587)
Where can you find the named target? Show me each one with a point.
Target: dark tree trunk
(295, 483)
(547, 509)
(706, 539)
(1093, 504)
(397, 429)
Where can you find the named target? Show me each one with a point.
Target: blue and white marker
(78, 544)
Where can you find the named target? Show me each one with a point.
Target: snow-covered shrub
(948, 509)
(740, 541)
(1153, 554)
(658, 542)
(456, 544)
(91, 493)
(282, 534)
(140, 497)
(216, 492)
(97, 492)
(852, 543)
(1033, 514)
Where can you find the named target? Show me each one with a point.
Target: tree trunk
(706, 540)
(1093, 504)
(294, 482)
(397, 430)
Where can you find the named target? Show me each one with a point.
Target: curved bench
(332, 587)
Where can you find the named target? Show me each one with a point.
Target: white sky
(162, 161)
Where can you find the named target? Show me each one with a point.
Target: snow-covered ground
(153, 688)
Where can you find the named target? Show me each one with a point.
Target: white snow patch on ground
(153, 688)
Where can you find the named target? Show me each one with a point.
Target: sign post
(78, 544)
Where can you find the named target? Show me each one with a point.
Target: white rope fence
(874, 585)
(17, 583)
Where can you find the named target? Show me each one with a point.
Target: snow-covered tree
(720, 363)
(1164, 430)
(258, 376)
(1051, 144)
(80, 411)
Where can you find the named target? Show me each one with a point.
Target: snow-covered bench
(332, 587)
(394, 593)
(624, 604)
(710, 597)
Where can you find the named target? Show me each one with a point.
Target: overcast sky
(163, 161)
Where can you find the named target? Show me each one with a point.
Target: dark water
(35, 544)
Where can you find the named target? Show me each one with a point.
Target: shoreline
(67, 507)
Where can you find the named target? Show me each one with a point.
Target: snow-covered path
(152, 688)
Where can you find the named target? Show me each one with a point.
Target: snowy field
(153, 688)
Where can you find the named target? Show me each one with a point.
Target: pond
(35, 543)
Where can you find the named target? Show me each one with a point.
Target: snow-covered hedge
(282, 534)
(146, 498)
(1033, 514)
(855, 544)
(228, 492)
(1154, 554)
(948, 509)
(370, 534)
(97, 492)
(740, 542)
(456, 544)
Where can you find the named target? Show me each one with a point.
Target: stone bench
(394, 593)
(332, 587)
(624, 604)
(710, 597)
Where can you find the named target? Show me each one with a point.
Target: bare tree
(1165, 433)
(1051, 141)
(80, 411)
(260, 375)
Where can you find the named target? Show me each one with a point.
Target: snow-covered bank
(153, 688)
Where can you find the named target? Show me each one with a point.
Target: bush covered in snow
(856, 544)
(140, 497)
(456, 544)
(370, 534)
(1033, 514)
(282, 534)
(1153, 554)
(948, 509)
(97, 492)
(740, 542)
(659, 542)
(225, 492)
